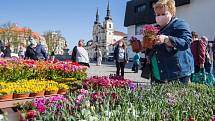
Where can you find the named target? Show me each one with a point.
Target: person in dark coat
(31, 51)
(120, 57)
(7, 51)
(41, 52)
(171, 58)
(198, 49)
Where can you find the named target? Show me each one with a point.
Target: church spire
(108, 17)
(97, 16)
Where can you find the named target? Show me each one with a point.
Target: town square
(107, 60)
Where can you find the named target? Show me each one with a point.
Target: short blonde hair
(169, 4)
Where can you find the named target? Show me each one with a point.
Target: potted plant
(37, 91)
(51, 88)
(150, 33)
(21, 92)
(6, 94)
(26, 111)
(63, 88)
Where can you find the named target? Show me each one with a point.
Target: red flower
(191, 119)
(94, 96)
(31, 114)
(114, 95)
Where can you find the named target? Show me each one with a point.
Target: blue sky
(74, 18)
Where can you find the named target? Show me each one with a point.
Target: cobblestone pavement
(109, 68)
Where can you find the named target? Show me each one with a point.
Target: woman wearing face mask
(121, 57)
(171, 58)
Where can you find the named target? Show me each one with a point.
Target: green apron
(155, 69)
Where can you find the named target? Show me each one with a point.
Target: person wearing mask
(120, 57)
(136, 62)
(171, 58)
(80, 55)
(99, 57)
(31, 50)
(41, 51)
(198, 49)
(208, 65)
(21, 52)
(7, 51)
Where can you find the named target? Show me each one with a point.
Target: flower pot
(148, 42)
(54, 92)
(21, 95)
(62, 91)
(39, 94)
(29, 115)
(6, 97)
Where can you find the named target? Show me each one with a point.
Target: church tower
(108, 26)
(96, 28)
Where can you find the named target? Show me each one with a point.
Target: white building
(104, 35)
(198, 13)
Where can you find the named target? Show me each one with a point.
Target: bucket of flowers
(51, 88)
(6, 94)
(63, 88)
(37, 88)
(150, 32)
(21, 92)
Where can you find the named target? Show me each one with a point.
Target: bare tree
(52, 39)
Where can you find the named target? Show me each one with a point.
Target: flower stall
(113, 98)
(43, 90)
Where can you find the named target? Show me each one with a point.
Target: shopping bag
(203, 77)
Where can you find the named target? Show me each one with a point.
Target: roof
(146, 15)
(35, 35)
(119, 33)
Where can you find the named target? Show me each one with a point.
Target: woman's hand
(160, 39)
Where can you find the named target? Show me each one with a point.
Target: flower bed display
(113, 98)
(14, 69)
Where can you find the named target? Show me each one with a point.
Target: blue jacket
(41, 52)
(177, 62)
(136, 59)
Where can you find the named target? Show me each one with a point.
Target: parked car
(110, 57)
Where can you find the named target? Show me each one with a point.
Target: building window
(109, 25)
(138, 29)
(109, 33)
(140, 8)
(97, 39)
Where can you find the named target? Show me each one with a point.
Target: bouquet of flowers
(136, 44)
(150, 33)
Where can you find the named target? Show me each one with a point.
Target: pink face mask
(163, 20)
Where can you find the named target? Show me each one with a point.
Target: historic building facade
(104, 36)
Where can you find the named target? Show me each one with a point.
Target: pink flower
(82, 91)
